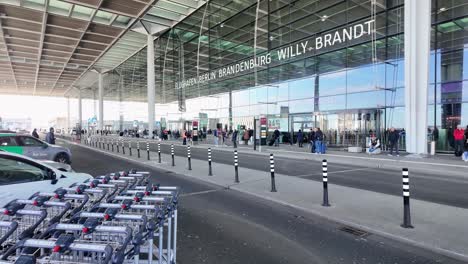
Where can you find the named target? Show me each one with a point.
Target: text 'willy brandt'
(319, 42)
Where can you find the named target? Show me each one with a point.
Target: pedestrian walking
(234, 138)
(300, 138)
(393, 139)
(459, 137)
(35, 134)
(246, 136)
(50, 137)
(312, 140)
(276, 135)
(318, 141)
(215, 137)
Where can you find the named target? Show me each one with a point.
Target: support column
(101, 103)
(68, 115)
(80, 113)
(151, 85)
(417, 47)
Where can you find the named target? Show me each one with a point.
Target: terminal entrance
(342, 128)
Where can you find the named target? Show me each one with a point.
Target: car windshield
(13, 170)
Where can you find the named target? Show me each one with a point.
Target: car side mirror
(52, 176)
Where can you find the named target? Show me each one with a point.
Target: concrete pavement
(224, 226)
(440, 228)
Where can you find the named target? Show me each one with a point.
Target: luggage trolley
(154, 228)
(95, 195)
(167, 201)
(64, 250)
(77, 201)
(92, 232)
(6, 230)
(28, 223)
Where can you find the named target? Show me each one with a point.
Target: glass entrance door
(342, 129)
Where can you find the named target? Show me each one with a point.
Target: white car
(21, 177)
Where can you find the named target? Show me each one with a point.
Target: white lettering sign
(292, 51)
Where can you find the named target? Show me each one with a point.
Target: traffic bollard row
(188, 158)
(272, 172)
(138, 149)
(406, 200)
(236, 165)
(172, 154)
(325, 182)
(159, 152)
(210, 171)
(148, 150)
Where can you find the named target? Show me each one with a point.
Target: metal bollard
(138, 149)
(130, 148)
(236, 169)
(159, 152)
(210, 172)
(112, 145)
(406, 200)
(123, 147)
(108, 147)
(117, 145)
(272, 171)
(172, 154)
(325, 182)
(188, 158)
(148, 150)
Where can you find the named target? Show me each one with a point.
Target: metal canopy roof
(48, 44)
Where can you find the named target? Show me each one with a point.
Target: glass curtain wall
(350, 89)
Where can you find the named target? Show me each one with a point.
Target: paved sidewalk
(444, 164)
(440, 228)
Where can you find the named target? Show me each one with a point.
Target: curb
(438, 250)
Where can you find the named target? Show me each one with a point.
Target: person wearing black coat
(34, 134)
(312, 140)
(393, 138)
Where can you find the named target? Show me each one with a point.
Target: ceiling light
(324, 17)
(222, 25)
(271, 38)
(442, 9)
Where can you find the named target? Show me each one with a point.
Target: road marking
(197, 193)
(331, 172)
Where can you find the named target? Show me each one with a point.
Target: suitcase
(458, 153)
(272, 141)
(324, 148)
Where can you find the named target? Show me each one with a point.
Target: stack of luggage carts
(116, 218)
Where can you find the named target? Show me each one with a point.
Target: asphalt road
(224, 226)
(431, 187)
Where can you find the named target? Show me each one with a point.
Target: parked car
(34, 148)
(21, 176)
(57, 165)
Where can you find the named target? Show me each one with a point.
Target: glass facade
(349, 86)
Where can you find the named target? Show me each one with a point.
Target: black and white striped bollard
(236, 165)
(159, 152)
(406, 200)
(138, 149)
(189, 158)
(147, 150)
(325, 182)
(130, 147)
(272, 171)
(210, 171)
(172, 155)
(123, 147)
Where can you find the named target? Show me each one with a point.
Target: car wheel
(62, 158)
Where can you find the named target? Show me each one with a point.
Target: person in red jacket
(459, 136)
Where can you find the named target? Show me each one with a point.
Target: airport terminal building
(335, 64)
